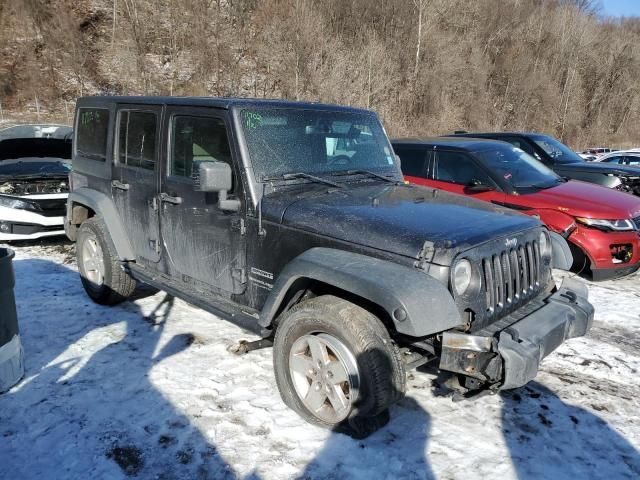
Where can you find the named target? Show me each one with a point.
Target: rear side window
(137, 139)
(412, 160)
(197, 139)
(455, 167)
(91, 134)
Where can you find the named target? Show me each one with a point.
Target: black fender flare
(561, 256)
(417, 303)
(104, 207)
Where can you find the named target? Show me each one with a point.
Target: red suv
(601, 225)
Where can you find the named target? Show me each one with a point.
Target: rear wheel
(336, 365)
(102, 275)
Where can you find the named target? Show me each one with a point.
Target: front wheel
(336, 365)
(102, 276)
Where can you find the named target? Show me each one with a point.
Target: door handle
(166, 198)
(119, 185)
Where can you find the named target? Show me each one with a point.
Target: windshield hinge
(425, 255)
(239, 274)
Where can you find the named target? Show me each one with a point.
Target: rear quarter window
(91, 133)
(412, 159)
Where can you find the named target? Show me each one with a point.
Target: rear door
(135, 177)
(413, 161)
(203, 246)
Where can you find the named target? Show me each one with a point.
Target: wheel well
(79, 213)
(304, 288)
(581, 261)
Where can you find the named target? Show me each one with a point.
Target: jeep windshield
(293, 141)
(556, 150)
(517, 169)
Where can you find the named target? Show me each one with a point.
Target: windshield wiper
(367, 172)
(536, 187)
(308, 176)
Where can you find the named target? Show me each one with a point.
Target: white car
(599, 151)
(34, 171)
(627, 157)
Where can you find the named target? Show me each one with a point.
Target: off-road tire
(380, 368)
(117, 285)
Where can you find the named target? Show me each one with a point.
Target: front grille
(511, 277)
(51, 207)
(30, 228)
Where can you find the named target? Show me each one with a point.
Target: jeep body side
(292, 219)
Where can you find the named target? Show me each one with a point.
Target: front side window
(635, 161)
(290, 140)
(518, 169)
(616, 160)
(91, 133)
(459, 168)
(137, 139)
(556, 150)
(197, 139)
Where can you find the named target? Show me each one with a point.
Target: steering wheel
(339, 160)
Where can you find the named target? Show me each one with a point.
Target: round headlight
(462, 276)
(545, 244)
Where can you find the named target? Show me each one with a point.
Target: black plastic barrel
(11, 356)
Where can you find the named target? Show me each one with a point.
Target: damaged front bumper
(508, 355)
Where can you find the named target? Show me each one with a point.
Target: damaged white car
(35, 161)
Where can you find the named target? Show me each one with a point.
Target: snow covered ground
(148, 389)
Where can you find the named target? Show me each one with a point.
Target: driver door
(203, 246)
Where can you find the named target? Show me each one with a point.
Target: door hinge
(239, 274)
(155, 245)
(237, 224)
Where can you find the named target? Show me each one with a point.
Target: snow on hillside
(148, 389)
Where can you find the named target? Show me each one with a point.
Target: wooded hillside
(427, 66)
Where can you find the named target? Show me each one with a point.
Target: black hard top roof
(452, 143)
(217, 102)
(498, 134)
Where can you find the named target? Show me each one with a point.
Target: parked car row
(567, 163)
(601, 224)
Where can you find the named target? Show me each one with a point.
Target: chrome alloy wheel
(93, 261)
(325, 376)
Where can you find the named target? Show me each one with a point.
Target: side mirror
(398, 161)
(476, 186)
(216, 177)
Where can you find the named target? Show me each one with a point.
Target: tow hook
(243, 346)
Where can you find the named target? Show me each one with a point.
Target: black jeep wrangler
(293, 219)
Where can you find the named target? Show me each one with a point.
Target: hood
(604, 168)
(581, 199)
(15, 148)
(396, 218)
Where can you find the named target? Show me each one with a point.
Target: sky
(621, 7)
